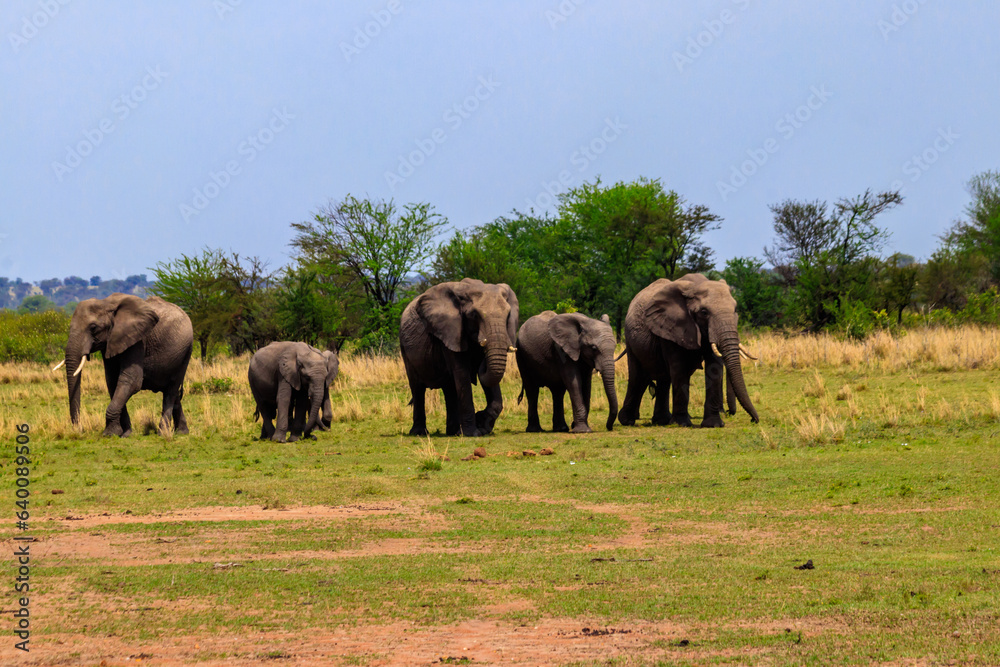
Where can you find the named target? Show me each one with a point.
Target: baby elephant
(561, 352)
(301, 399)
(282, 374)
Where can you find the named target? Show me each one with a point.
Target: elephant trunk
(497, 346)
(76, 350)
(315, 401)
(607, 369)
(726, 338)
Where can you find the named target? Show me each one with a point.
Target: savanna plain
(875, 461)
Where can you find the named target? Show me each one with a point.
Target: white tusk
(746, 353)
(716, 350)
(512, 349)
(59, 365)
(79, 368)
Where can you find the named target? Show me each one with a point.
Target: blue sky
(133, 132)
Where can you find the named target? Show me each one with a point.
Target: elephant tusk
(746, 353)
(512, 349)
(79, 368)
(59, 365)
(716, 350)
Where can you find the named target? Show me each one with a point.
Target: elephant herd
(452, 336)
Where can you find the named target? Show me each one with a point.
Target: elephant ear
(565, 331)
(288, 366)
(512, 317)
(439, 308)
(667, 315)
(332, 366)
(133, 320)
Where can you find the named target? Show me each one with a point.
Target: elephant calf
(301, 400)
(561, 352)
(282, 375)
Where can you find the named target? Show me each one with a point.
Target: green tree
(979, 234)
(196, 284)
(36, 304)
(305, 311)
(900, 277)
(834, 254)
(757, 291)
(617, 239)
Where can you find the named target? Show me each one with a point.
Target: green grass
(705, 527)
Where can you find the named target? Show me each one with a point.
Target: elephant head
(471, 315)
(109, 326)
(332, 368)
(592, 340)
(299, 365)
(697, 313)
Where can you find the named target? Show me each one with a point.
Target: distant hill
(68, 290)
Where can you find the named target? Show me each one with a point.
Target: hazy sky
(133, 132)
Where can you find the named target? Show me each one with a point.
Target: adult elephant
(452, 335)
(670, 329)
(280, 375)
(562, 352)
(146, 344)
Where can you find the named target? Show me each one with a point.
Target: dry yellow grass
(967, 347)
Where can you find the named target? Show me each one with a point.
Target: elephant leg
(418, 391)
(558, 416)
(267, 414)
(297, 409)
(284, 400)
(714, 374)
(466, 406)
(129, 382)
(531, 393)
(680, 379)
(638, 381)
(575, 384)
(167, 410)
(485, 419)
(180, 422)
(452, 426)
(126, 421)
(586, 381)
(661, 403)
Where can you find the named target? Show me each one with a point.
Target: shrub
(37, 337)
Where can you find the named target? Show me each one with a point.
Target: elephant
(561, 352)
(670, 329)
(146, 344)
(277, 373)
(300, 398)
(450, 336)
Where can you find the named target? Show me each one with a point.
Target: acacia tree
(835, 254)
(374, 245)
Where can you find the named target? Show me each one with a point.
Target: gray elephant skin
(670, 329)
(301, 401)
(561, 352)
(452, 335)
(146, 344)
(279, 374)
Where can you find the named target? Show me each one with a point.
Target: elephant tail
(256, 413)
(624, 352)
(521, 395)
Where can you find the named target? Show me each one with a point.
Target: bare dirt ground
(486, 641)
(480, 642)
